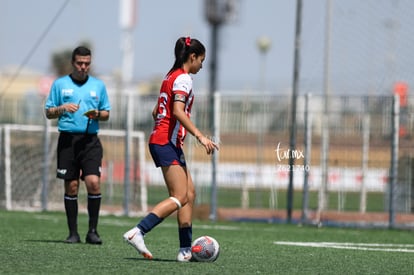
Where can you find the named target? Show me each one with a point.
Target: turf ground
(31, 243)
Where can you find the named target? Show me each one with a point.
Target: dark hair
(183, 48)
(82, 51)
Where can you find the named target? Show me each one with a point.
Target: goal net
(28, 170)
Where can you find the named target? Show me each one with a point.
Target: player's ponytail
(183, 48)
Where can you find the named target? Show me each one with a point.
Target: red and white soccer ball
(205, 249)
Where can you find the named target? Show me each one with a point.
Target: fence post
(143, 183)
(395, 119)
(46, 163)
(365, 152)
(1, 148)
(129, 123)
(214, 158)
(306, 160)
(7, 167)
(245, 192)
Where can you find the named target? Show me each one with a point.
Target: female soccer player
(172, 122)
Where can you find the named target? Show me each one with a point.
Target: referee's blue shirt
(90, 95)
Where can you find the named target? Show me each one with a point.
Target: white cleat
(135, 238)
(184, 255)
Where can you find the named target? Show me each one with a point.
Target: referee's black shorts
(78, 155)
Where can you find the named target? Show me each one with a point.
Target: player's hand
(208, 144)
(92, 114)
(71, 107)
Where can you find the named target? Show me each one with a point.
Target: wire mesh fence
(253, 170)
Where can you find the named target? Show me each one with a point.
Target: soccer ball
(205, 249)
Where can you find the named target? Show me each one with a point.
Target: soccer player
(79, 101)
(172, 122)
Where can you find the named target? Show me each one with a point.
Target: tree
(61, 60)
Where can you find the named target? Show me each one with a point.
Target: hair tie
(187, 41)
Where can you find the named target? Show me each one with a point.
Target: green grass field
(32, 243)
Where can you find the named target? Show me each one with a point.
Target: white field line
(355, 246)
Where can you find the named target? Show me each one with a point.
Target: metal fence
(347, 173)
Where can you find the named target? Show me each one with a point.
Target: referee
(79, 101)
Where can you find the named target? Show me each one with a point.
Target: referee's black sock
(94, 204)
(71, 208)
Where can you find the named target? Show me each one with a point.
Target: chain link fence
(253, 170)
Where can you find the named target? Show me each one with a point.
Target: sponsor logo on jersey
(67, 92)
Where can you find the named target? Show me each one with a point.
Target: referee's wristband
(99, 114)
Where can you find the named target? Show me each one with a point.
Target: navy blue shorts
(167, 155)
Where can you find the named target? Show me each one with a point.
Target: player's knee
(93, 184)
(71, 187)
(191, 195)
(179, 201)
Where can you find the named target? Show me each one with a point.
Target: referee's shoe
(93, 237)
(73, 238)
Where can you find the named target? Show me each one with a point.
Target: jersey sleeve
(183, 84)
(53, 99)
(104, 102)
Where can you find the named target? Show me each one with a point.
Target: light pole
(263, 45)
(217, 13)
(293, 126)
(127, 24)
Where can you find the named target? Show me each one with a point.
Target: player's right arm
(54, 107)
(55, 112)
(154, 111)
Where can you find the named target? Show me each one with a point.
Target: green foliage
(61, 60)
(32, 243)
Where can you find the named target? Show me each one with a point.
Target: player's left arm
(181, 116)
(103, 112)
(102, 115)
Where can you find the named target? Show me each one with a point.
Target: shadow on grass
(50, 241)
(61, 241)
(153, 260)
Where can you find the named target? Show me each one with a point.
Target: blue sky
(370, 47)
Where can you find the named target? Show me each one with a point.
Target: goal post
(26, 150)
